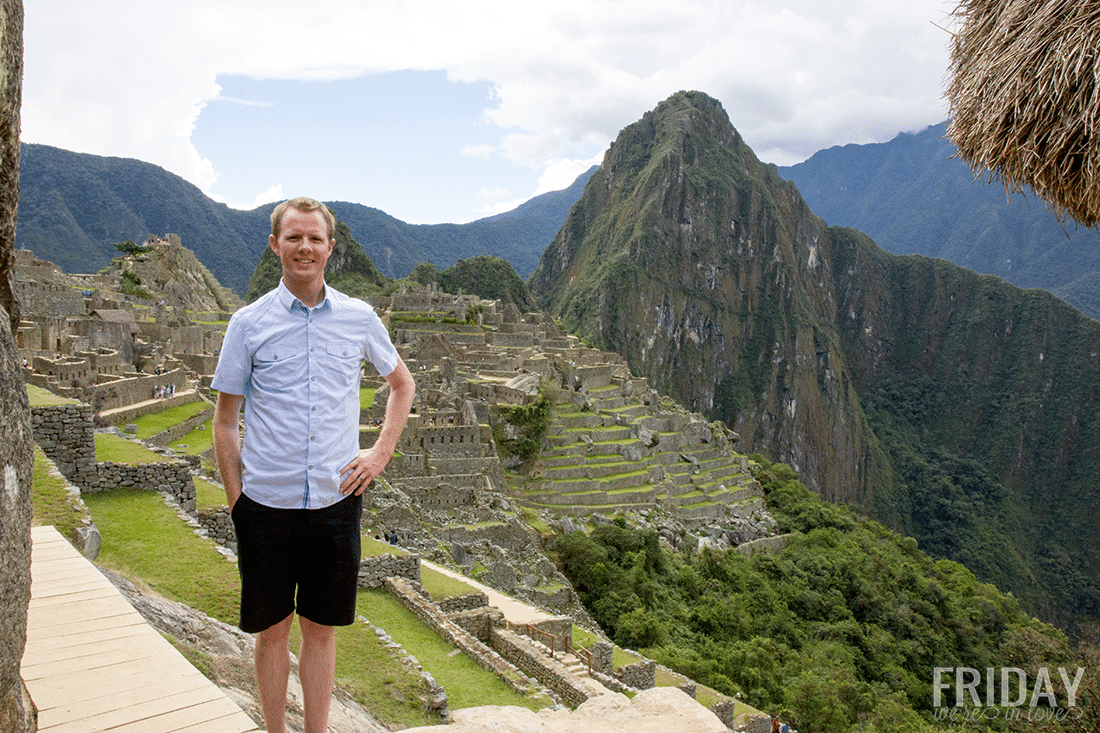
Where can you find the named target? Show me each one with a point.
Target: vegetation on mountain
(129, 247)
(913, 196)
(949, 405)
(489, 277)
(348, 269)
(74, 206)
(841, 629)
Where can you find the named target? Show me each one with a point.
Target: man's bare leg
(317, 670)
(272, 672)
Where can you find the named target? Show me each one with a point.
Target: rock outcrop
(657, 710)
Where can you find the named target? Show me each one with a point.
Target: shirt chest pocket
(343, 360)
(272, 355)
(343, 350)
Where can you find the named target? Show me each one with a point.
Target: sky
(444, 111)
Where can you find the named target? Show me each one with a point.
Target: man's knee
(315, 632)
(277, 633)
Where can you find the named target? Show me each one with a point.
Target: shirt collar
(289, 300)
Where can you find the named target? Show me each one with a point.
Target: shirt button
(313, 379)
(313, 409)
(311, 468)
(313, 437)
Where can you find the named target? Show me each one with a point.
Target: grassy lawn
(198, 440)
(207, 495)
(440, 586)
(467, 684)
(366, 398)
(39, 397)
(49, 499)
(110, 447)
(144, 540)
(158, 422)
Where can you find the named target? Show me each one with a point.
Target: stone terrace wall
(552, 673)
(171, 478)
(468, 602)
(178, 431)
(66, 435)
(458, 637)
(640, 675)
(373, 571)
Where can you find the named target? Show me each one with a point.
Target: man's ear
(271, 243)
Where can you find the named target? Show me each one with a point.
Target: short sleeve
(377, 346)
(234, 363)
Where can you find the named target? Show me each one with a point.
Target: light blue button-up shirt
(298, 369)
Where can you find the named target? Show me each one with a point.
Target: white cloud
(478, 151)
(561, 173)
(131, 77)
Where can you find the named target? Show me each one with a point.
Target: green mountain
(911, 197)
(949, 405)
(348, 269)
(73, 207)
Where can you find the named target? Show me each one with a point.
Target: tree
(129, 248)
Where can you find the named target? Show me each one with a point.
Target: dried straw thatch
(1025, 98)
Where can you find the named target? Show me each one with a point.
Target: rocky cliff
(713, 278)
(952, 406)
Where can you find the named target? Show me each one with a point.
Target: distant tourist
(300, 474)
(393, 537)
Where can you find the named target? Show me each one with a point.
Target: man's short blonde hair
(306, 204)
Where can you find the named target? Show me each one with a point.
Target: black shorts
(304, 560)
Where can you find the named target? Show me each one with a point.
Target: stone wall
(468, 602)
(126, 414)
(458, 637)
(640, 675)
(66, 435)
(172, 478)
(479, 622)
(559, 627)
(373, 571)
(219, 526)
(550, 672)
(176, 432)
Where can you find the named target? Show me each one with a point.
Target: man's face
(303, 247)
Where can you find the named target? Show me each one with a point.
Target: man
(294, 489)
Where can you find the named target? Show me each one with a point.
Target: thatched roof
(1025, 98)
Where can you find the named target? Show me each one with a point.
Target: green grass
(39, 397)
(207, 495)
(50, 499)
(110, 447)
(144, 540)
(440, 586)
(197, 441)
(366, 398)
(467, 684)
(158, 422)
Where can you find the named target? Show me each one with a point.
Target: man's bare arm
(369, 463)
(227, 444)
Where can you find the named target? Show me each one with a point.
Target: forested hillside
(912, 197)
(843, 628)
(949, 405)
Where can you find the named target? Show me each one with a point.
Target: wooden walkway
(92, 663)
